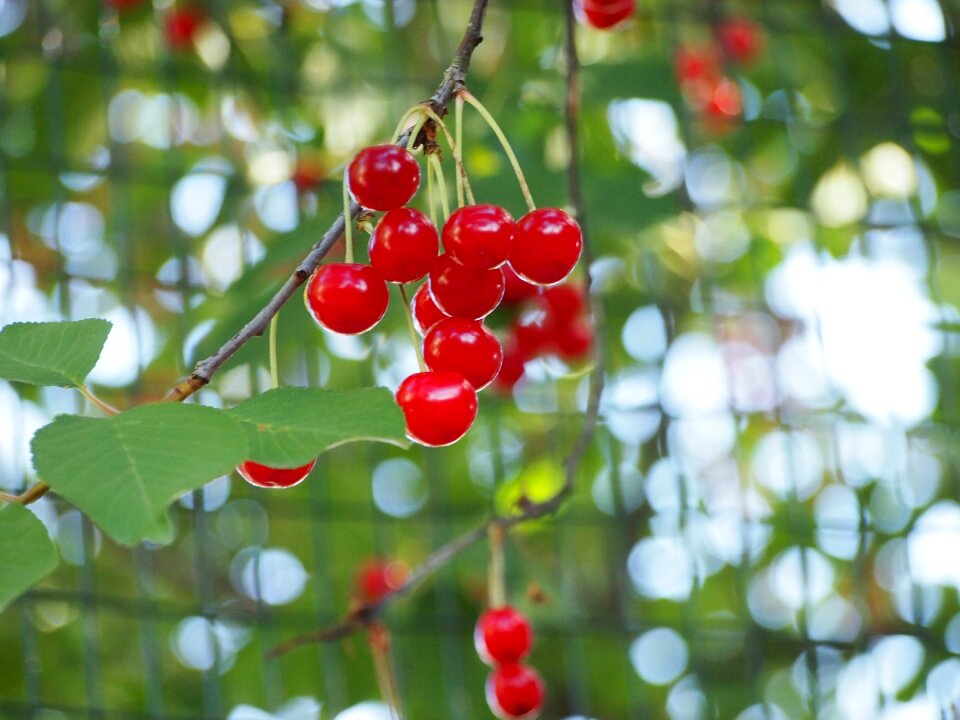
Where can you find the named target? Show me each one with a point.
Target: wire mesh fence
(766, 524)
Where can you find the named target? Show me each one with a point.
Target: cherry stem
(415, 131)
(398, 133)
(458, 152)
(441, 184)
(94, 400)
(498, 131)
(274, 365)
(379, 639)
(431, 195)
(347, 222)
(414, 337)
(496, 585)
(463, 182)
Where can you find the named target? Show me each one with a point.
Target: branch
(366, 614)
(453, 80)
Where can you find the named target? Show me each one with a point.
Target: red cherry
(546, 246)
(573, 340)
(741, 40)
(377, 577)
(502, 635)
(565, 301)
(464, 292)
(439, 407)
(270, 477)
(466, 347)
(383, 177)
(347, 298)
(533, 329)
(516, 289)
(724, 101)
(511, 369)
(426, 314)
(307, 176)
(696, 64)
(404, 245)
(479, 236)
(515, 692)
(182, 25)
(604, 14)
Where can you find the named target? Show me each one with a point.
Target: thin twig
(30, 495)
(527, 509)
(453, 80)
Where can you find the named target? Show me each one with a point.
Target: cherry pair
(604, 14)
(503, 637)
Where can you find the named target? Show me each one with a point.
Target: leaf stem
(414, 337)
(347, 222)
(94, 400)
(274, 365)
(441, 183)
(498, 131)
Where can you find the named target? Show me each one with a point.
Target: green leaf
(124, 471)
(290, 426)
(52, 353)
(26, 552)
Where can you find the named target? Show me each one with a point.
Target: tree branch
(366, 614)
(453, 79)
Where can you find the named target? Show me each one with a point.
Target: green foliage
(290, 426)
(26, 552)
(53, 353)
(125, 470)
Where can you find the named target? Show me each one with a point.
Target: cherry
(740, 39)
(404, 245)
(516, 289)
(426, 314)
(347, 298)
(546, 246)
(466, 347)
(565, 301)
(270, 477)
(383, 177)
(377, 578)
(479, 236)
(465, 292)
(511, 369)
(604, 14)
(515, 692)
(503, 635)
(307, 176)
(533, 329)
(182, 25)
(724, 101)
(694, 65)
(439, 407)
(573, 340)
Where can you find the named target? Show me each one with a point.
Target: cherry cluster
(503, 637)
(604, 14)
(712, 95)
(464, 284)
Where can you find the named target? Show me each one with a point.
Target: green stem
(94, 400)
(441, 183)
(498, 131)
(416, 131)
(347, 223)
(496, 585)
(457, 153)
(458, 150)
(405, 119)
(274, 365)
(431, 195)
(414, 337)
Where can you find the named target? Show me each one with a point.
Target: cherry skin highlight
(425, 312)
(503, 635)
(546, 246)
(464, 292)
(439, 407)
(515, 692)
(479, 236)
(347, 298)
(383, 177)
(265, 476)
(466, 347)
(404, 246)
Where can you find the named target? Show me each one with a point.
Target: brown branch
(453, 79)
(30, 495)
(529, 510)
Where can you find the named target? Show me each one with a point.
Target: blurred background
(766, 525)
